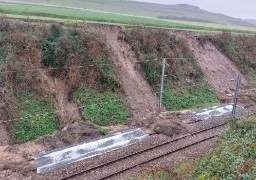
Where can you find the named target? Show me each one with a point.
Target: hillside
(173, 12)
(63, 83)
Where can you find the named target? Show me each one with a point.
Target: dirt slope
(4, 101)
(66, 110)
(220, 71)
(140, 97)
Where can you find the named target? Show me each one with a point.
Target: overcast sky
(237, 8)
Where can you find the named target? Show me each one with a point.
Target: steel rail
(76, 171)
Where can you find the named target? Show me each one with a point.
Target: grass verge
(103, 109)
(234, 156)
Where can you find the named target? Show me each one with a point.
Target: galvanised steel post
(162, 83)
(238, 83)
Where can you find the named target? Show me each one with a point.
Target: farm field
(173, 12)
(74, 14)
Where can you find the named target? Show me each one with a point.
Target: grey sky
(236, 8)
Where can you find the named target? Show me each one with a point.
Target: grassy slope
(29, 11)
(56, 47)
(37, 120)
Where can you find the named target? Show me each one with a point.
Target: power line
(68, 67)
(88, 65)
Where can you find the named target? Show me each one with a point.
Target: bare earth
(141, 99)
(220, 71)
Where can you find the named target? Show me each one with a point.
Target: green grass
(103, 109)
(102, 131)
(234, 156)
(37, 120)
(184, 86)
(189, 98)
(152, 10)
(71, 15)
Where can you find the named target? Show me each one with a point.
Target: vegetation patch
(106, 108)
(102, 131)
(37, 119)
(185, 86)
(34, 54)
(188, 98)
(234, 156)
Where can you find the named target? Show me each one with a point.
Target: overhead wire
(71, 67)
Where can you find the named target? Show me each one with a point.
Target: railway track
(113, 167)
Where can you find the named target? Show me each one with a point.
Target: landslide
(68, 80)
(240, 51)
(142, 99)
(185, 85)
(43, 68)
(219, 70)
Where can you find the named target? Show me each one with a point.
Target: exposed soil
(220, 71)
(142, 101)
(248, 97)
(3, 134)
(4, 101)
(67, 111)
(16, 161)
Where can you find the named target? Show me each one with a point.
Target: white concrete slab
(216, 111)
(48, 162)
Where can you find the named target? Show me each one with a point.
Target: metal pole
(162, 83)
(238, 83)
